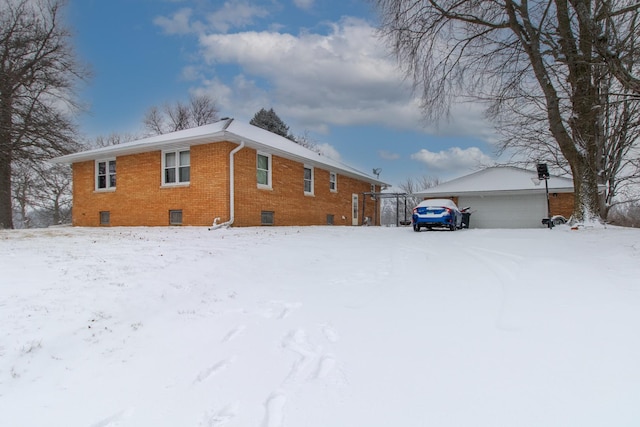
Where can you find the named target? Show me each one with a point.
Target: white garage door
(516, 211)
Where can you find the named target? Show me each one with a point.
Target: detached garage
(506, 197)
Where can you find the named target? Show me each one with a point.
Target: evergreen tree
(270, 121)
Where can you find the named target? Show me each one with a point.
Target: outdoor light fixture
(543, 174)
(543, 171)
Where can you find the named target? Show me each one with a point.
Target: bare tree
(22, 190)
(307, 141)
(547, 53)
(413, 185)
(200, 110)
(396, 208)
(38, 75)
(53, 196)
(112, 139)
(527, 137)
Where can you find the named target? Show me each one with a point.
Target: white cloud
(235, 14)
(329, 150)
(304, 4)
(454, 158)
(344, 77)
(232, 14)
(178, 23)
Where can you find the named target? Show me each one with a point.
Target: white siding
(513, 211)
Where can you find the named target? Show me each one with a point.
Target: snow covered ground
(319, 327)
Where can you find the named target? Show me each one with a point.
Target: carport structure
(506, 197)
(399, 197)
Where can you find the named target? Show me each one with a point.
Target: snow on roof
(498, 179)
(223, 130)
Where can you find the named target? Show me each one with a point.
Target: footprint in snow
(329, 333)
(233, 334)
(114, 420)
(213, 370)
(324, 368)
(274, 410)
(220, 417)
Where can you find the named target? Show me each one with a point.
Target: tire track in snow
(504, 272)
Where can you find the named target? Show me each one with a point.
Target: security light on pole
(543, 173)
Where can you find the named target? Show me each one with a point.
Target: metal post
(546, 186)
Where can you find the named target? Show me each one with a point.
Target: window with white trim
(333, 181)
(106, 174)
(176, 167)
(263, 170)
(308, 180)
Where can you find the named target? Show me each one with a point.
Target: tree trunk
(6, 211)
(6, 157)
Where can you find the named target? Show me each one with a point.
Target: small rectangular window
(105, 175)
(308, 180)
(177, 167)
(263, 170)
(333, 181)
(266, 218)
(175, 217)
(105, 217)
(329, 219)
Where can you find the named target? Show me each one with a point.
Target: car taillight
(448, 210)
(415, 210)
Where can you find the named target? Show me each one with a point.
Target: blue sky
(317, 63)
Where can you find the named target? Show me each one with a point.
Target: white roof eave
(494, 192)
(218, 132)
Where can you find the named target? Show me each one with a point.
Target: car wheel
(416, 227)
(452, 227)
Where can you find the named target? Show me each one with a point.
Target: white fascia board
(224, 130)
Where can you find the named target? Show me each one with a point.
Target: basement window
(329, 219)
(105, 217)
(175, 217)
(266, 218)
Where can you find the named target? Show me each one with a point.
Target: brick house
(507, 197)
(228, 172)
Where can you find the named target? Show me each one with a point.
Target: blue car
(436, 213)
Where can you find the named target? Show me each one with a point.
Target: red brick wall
(140, 199)
(561, 204)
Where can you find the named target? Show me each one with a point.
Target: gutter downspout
(232, 187)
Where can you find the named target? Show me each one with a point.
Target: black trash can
(465, 219)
